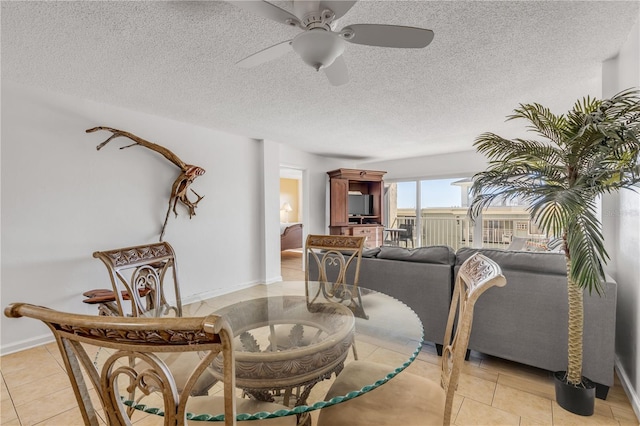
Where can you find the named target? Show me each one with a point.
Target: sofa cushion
(371, 252)
(433, 254)
(539, 262)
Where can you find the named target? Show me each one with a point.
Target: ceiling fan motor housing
(318, 19)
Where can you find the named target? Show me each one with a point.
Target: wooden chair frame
(476, 275)
(140, 339)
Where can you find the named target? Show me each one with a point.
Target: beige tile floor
(35, 389)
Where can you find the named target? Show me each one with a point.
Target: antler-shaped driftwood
(180, 185)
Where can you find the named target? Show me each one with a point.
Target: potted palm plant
(591, 150)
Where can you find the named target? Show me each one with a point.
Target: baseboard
(27, 344)
(274, 280)
(628, 388)
(217, 292)
(295, 250)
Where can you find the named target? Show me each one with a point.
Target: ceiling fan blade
(388, 35)
(337, 6)
(268, 10)
(337, 73)
(265, 55)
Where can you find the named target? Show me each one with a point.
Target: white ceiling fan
(319, 45)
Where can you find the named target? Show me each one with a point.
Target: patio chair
(407, 398)
(517, 243)
(407, 236)
(138, 276)
(142, 339)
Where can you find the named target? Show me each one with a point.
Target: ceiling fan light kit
(318, 48)
(321, 47)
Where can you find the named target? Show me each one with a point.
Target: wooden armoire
(363, 189)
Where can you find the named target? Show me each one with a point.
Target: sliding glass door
(402, 202)
(443, 218)
(435, 212)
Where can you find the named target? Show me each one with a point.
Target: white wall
(621, 227)
(315, 185)
(62, 200)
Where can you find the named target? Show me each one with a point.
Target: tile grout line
(13, 404)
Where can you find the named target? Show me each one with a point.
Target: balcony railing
(457, 232)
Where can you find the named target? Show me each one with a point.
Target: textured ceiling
(176, 59)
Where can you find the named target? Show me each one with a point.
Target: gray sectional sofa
(525, 322)
(421, 278)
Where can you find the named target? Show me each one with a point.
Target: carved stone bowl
(281, 344)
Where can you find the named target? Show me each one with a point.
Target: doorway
(290, 196)
(292, 230)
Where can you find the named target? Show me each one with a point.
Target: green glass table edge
(282, 413)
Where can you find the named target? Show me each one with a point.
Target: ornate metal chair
(407, 397)
(328, 259)
(143, 339)
(138, 276)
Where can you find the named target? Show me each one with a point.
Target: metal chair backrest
(406, 236)
(139, 273)
(140, 340)
(476, 275)
(331, 258)
(333, 254)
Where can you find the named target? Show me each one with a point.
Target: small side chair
(144, 339)
(407, 398)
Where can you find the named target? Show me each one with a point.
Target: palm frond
(543, 121)
(498, 149)
(624, 104)
(585, 248)
(586, 105)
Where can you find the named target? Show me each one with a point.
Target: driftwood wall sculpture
(180, 186)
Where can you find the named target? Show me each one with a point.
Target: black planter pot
(576, 399)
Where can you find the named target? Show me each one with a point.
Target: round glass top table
(292, 338)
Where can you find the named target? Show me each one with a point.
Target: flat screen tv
(360, 205)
